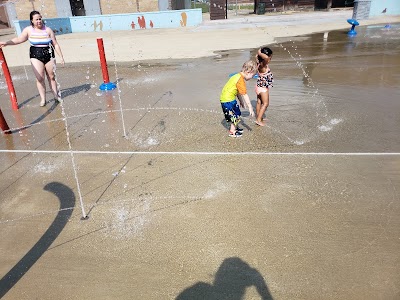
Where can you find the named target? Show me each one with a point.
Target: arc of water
(65, 119)
(309, 79)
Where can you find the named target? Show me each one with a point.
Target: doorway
(77, 8)
(327, 4)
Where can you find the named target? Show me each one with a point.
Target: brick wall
(48, 9)
(23, 8)
(127, 6)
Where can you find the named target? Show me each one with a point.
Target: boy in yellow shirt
(236, 87)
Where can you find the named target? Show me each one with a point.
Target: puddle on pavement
(331, 93)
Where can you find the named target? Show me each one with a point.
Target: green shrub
(205, 7)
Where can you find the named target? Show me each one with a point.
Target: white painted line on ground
(208, 153)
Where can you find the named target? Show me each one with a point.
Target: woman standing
(43, 43)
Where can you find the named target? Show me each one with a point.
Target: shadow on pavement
(67, 202)
(232, 278)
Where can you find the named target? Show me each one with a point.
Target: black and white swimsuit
(41, 45)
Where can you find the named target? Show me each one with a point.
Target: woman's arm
(23, 37)
(56, 45)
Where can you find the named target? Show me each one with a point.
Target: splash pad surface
(315, 192)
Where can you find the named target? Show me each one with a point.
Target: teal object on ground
(353, 23)
(107, 86)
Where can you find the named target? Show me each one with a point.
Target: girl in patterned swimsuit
(43, 43)
(264, 82)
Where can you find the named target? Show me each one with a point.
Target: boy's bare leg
(232, 128)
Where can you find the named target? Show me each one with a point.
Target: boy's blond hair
(249, 66)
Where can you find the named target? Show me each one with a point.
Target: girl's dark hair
(33, 12)
(266, 51)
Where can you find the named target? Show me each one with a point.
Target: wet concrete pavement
(305, 208)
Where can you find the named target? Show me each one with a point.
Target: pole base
(353, 23)
(107, 86)
(352, 33)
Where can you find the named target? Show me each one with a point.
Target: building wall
(378, 7)
(48, 7)
(127, 6)
(364, 9)
(4, 22)
(108, 7)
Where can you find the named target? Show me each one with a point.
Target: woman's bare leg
(51, 76)
(38, 68)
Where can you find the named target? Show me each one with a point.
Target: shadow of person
(37, 120)
(232, 278)
(20, 105)
(75, 90)
(67, 202)
(227, 125)
(64, 93)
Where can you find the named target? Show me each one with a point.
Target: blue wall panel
(59, 25)
(133, 21)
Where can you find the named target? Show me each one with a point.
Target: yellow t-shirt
(235, 85)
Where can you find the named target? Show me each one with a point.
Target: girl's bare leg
(264, 96)
(38, 69)
(258, 106)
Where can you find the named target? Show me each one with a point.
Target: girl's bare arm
(262, 55)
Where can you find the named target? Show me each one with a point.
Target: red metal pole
(103, 61)
(10, 85)
(3, 123)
